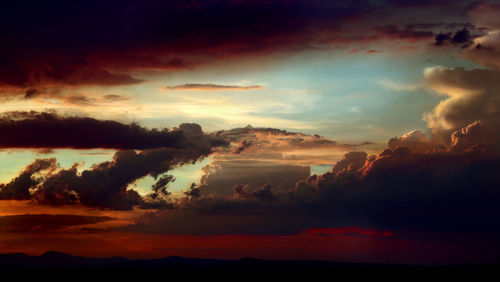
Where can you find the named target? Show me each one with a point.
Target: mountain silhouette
(64, 263)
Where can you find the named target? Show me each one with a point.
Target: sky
(359, 131)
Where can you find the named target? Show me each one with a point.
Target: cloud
(406, 33)
(212, 87)
(472, 96)
(116, 44)
(416, 141)
(399, 86)
(440, 190)
(117, 47)
(262, 156)
(37, 223)
(53, 130)
(252, 141)
(486, 48)
(461, 37)
(351, 161)
(472, 137)
(222, 176)
(243, 145)
(105, 184)
(19, 187)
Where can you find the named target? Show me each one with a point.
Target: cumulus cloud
(260, 156)
(473, 136)
(472, 95)
(351, 161)
(416, 141)
(19, 187)
(448, 191)
(105, 184)
(406, 187)
(222, 176)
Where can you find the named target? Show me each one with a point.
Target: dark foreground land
(60, 265)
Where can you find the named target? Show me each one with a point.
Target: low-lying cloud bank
(441, 189)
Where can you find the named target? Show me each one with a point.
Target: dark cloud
(442, 39)
(110, 43)
(52, 130)
(351, 161)
(193, 192)
(45, 222)
(406, 33)
(264, 193)
(440, 25)
(447, 190)
(103, 42)
(462, 37)
(19, 187)
(212, 87)
(105, 184)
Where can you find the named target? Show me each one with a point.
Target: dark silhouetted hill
(61, 263)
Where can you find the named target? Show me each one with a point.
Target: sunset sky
(360, 131)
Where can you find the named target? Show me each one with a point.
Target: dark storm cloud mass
(451, 189)
(106, 43)
(52, 130)
(18, 188)
(99, 42)
(105, 184)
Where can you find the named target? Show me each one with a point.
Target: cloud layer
(107, 43)
(52, 130)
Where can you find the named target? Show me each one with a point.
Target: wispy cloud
(398, 86)
(212, 87)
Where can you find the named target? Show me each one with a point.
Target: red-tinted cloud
(108, 42)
